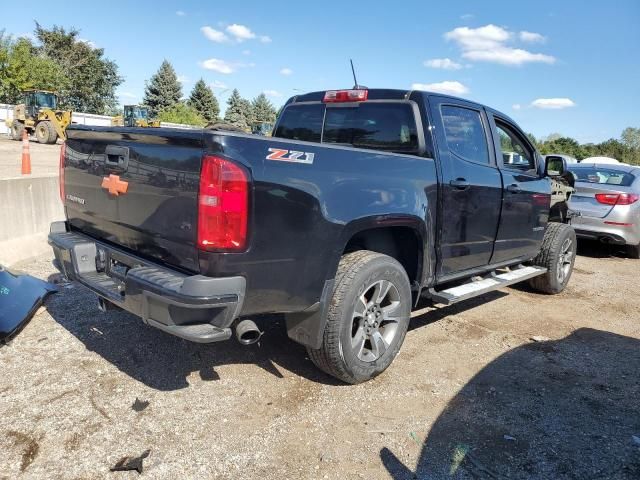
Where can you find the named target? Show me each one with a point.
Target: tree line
(163, 97)
(626, 149)
(58, 60)
(85, 80)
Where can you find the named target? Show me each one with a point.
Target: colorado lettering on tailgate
(290, 156)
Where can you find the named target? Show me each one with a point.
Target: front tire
(633, 251)
(557, 255)
(17, 128)
(367, 318)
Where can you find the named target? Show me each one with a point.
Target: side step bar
(481, 285)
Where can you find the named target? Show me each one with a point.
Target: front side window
(465, 134)
(516, 154)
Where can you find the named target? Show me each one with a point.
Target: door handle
(459, 183)
(514, 188)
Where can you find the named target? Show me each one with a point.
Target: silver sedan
(608, 199)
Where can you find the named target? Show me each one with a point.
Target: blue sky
(555, 66)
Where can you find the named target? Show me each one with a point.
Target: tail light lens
(617, 198)
(63, 150)
(223, 205)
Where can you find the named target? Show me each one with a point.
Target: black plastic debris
(20, 297)
(130, 463)
(140, 405)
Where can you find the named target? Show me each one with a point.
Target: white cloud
(443, 63)
(508, 56)
(88, 42)
(485, 37)
(214, 35)
(218, 84)
(272, 93)
(240, 32)
(265, 39)
(553, 103)
(467, 16)
(218, 65)
(531, 37)
(516, 106)
(246, 52)
(183, 79)
(490, 43)
(448, 87)
(180, 13)
(286, 71)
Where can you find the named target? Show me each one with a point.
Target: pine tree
(163, 90)
(263, 109)
(247, 108)
(203, 100)
(237, 113)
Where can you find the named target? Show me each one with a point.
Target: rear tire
(557, 255)
(17, 128)
(367, 318)
(45, 132)
(633, 251)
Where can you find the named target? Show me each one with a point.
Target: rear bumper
(196, 308)
(595, 229)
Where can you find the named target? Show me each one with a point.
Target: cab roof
(390, 94)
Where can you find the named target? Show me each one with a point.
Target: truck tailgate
(136, 188)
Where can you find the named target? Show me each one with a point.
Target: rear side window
(465, 134)
(606, 176)
(375, 125)
(301, 122)
(380, 126)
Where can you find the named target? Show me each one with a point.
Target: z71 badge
(290, 156)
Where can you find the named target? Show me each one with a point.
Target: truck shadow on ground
(164, 362)
(560, 409)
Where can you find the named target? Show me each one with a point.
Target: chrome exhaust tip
(247, 332)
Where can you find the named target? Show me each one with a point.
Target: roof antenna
(355, 80)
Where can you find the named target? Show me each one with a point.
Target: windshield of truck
(388, 126)
(46, 100)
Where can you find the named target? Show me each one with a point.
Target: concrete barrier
(28, 205)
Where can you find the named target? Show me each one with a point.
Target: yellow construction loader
(39, 114)
(134, 116)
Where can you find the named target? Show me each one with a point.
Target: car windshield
(605, 176)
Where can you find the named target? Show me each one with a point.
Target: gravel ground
(44, 158)
(469, 396)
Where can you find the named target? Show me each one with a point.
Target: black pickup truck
(362, 203)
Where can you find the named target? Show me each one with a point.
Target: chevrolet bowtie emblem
(115, 185)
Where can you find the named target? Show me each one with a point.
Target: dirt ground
(44, 158)
(471, 395)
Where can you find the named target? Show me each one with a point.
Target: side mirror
(555, 166)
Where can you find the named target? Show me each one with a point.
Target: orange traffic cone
(26, 156)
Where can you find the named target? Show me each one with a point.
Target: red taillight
(617, 198)
(338, 96)
(223, 205)
(63, 150)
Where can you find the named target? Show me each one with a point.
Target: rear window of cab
(388, 126)
(604, 176)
